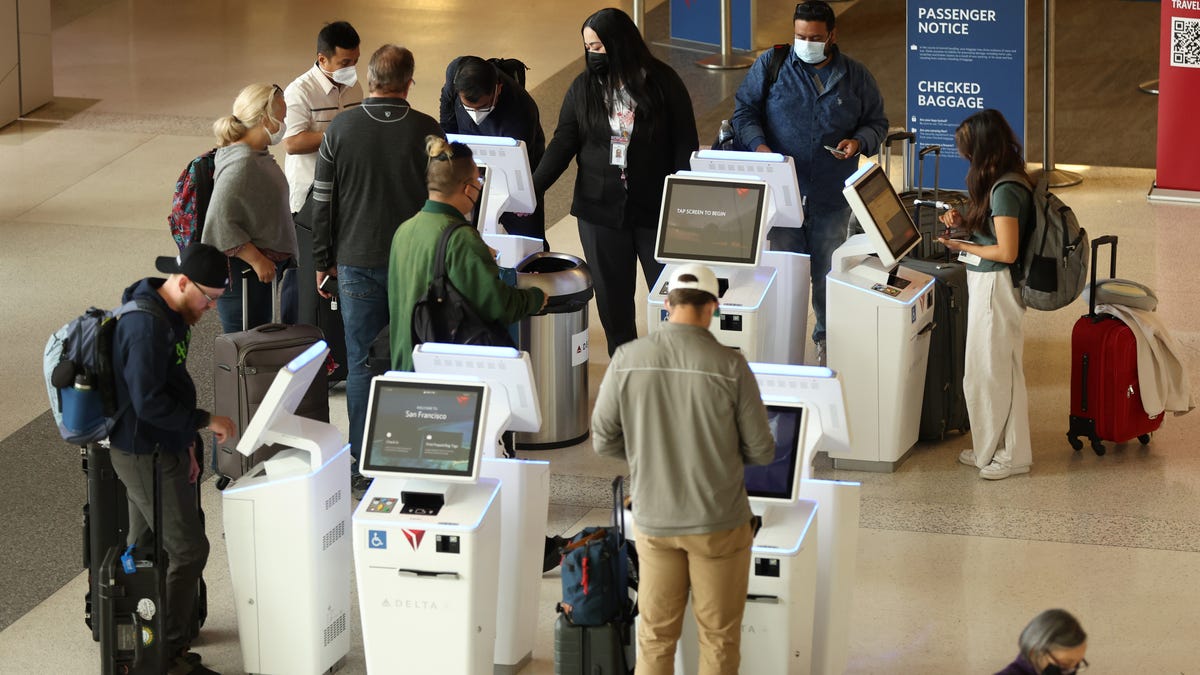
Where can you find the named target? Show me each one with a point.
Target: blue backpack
(78, 367)
(595, 572)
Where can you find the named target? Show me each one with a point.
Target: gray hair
(1052, 629)
(390, 70)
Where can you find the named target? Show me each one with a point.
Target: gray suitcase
(944, 407)
(590, 650)
(244, 366)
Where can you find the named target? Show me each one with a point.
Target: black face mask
(597, 62)
(1053, 669)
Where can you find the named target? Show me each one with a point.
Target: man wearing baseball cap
(686, 413)
(158, 396)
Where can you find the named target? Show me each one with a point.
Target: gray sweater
(249, 202)
(686, 413)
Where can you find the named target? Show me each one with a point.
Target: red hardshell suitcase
(1106, 403)
(245, 365)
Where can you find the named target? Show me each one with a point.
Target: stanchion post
(726, 60)
(1054, 177)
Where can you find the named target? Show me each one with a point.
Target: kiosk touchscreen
(508, 187)
(719, 221)
(525, 499)
(427, 532)
(878, 326)
(788, 322)
(285, 531)
(777, 626)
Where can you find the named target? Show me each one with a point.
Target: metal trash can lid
(557, 274)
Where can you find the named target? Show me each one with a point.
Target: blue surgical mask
(811, 53)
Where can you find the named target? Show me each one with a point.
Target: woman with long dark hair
(627, 120)
(1001, 210)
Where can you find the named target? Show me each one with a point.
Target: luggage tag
(127, 562)
(618, 151)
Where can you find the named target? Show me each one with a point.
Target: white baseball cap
(705, 280)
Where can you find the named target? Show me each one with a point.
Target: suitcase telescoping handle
(618, 490)
(937, 168)
(275, 312)
(1112, 267)
(885, 154)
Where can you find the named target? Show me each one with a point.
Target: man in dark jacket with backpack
(153, 385)
(480, 99)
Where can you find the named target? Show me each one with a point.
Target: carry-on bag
(1106, 401)
(944, 406)
(594, 629)
(244, 366)
(131, 612)
(106, 524)
(314, 309)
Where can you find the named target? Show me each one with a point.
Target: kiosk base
(871, 467)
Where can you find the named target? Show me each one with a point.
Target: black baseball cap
(200, 263)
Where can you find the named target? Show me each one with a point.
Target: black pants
(612, 256)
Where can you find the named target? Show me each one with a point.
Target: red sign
(1179, 97)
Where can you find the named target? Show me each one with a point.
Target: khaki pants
(716, 566)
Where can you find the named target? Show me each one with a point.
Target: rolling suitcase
(314, 309)
(131, 614)
(1106, 403)
(244, 366)
(106, 524)
(924, 217)
(944, 407)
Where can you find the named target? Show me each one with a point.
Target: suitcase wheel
(1144, 439)
(1098, 447)
(1076, 444)
(222, 482)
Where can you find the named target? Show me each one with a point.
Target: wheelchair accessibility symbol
(376, 539)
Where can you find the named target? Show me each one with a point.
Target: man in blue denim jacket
(821, 98)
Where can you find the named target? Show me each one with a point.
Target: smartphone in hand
(328, 285)
(839, 153)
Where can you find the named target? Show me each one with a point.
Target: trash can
(557, 341)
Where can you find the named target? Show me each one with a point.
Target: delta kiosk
(286, 523)
(719, 221)
(788, 324)
(507, 187)
(525, 499)
(427, 532)
(878, 324)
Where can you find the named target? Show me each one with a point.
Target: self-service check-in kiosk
(878, 322)
(287, 534)
(427, 532)
(507, 187)
(788, 323)
(525, 499)
(719, 221)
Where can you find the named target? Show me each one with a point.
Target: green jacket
(469, 264)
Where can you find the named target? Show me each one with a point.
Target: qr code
(1185, 42)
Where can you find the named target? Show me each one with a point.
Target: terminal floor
(949, 566)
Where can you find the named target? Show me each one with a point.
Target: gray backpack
(1052, 265)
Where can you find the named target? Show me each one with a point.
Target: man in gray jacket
(686, 413)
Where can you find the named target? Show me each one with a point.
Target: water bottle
(82, 407)
(725, 136)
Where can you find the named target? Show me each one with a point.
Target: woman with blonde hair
(249, 217)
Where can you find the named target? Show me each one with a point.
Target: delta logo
(463, 399)
(414, 537)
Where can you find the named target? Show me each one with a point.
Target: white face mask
(811, 53)
(347, 77)
(479, 115)
(277, 137)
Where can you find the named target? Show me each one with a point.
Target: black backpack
(444, 315)
(514, 68)
(779, 54)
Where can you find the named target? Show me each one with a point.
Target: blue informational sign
(700, 21)
(963, 56)
(376, 538)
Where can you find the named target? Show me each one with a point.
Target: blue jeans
(229, 305)
(363, 300)
(822, 233)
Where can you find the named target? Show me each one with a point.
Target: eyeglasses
(208, 298)
(1079, 667)
(277, 89)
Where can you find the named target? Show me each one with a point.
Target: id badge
(619, 149)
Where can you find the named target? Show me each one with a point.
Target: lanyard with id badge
(622, 128)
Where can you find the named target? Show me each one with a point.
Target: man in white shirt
(314, 99)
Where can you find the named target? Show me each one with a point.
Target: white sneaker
(967, 457)
(998, 471)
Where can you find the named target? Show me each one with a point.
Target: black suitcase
(244, 366)
(590, 650)
(130, 606)
(314, 309)
(944, 407)
(924, 217)
(106, 525)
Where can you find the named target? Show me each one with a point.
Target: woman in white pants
(994, 380)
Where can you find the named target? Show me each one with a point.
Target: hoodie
(150, 362)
